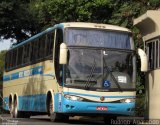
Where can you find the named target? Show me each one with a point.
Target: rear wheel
(11, 108)
(15, 110)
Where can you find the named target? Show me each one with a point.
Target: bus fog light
(67, 106)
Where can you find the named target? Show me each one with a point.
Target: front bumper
(70, 106)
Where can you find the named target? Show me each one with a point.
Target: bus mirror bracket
(144, 60)
(63, 54)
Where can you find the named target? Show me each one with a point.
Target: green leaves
(154, 3)
(15, 20)
(21, 19)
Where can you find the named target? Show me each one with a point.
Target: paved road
(44, 120)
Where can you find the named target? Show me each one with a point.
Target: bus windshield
(97, 38)
(108, 69)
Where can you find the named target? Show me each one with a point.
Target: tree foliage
(21, 19)
(16, 20)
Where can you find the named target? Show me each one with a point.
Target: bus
(149, 26)
(72, 69)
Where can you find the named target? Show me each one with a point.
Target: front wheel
(56, 117)
(53, 116)
(109, 120)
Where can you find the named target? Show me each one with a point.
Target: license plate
(102, 108)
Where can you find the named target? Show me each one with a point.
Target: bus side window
(58, 67)
(14, 58)
(49, 44)
(20, 54)
(26, 59)
(10, 61)
(42, 47)
(7, 61)
(34, 51)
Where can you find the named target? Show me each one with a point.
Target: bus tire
(65, 118)
(58, 117)
(16, 113)
(53, 116)
(11, 105)
(108, 119)
(15, 109)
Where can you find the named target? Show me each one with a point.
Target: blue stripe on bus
(30, 103)
(6, 78)
(80, 94)
(25, 73)
(14, 76)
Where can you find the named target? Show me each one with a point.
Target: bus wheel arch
(50, 107)
(54, 116)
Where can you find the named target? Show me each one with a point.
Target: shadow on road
(72, 121)
(44, 120)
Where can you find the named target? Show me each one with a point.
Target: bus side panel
(58, 102)
(30, 103)
(31, 84)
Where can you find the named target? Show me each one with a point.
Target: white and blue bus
(72, 69)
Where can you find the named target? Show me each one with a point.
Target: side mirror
(63, 54)
(144, 60)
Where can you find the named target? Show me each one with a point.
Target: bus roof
(74, 24)
(95, 25)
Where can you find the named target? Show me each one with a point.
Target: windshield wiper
(87, 84)
(114, 79)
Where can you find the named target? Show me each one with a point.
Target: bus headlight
(74, 98)
(127, 100)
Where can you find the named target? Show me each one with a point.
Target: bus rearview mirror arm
(63, 54)
(144, 60)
